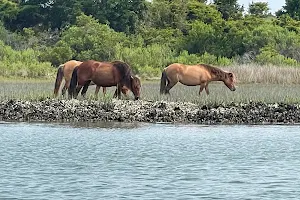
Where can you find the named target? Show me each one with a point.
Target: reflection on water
(102, 124)
(148, 161)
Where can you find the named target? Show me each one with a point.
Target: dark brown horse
(192, 75)
(65, 71)
(105, 74)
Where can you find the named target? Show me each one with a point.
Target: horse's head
(230, 81)
(135, 86)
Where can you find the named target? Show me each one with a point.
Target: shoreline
(56, 110)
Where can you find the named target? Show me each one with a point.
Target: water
(148, 161)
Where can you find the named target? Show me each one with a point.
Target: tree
(287, 22)
(200, 38)
(87, 39)
(229, 8)
(203, 12)
(260, 9)
(122, 16)
(164, 14)
(44, 14)
(292, 8)
(8, 10)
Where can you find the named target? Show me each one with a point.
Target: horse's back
(106, 75)
(72, 64)
(69, 67)
(101, 73)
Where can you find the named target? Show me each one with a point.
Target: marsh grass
(219, 93)
(267, 84)
(269, 74)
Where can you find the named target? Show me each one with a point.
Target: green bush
(157, 56)
(206, 58)
(149, 72)
(270, 56)
(22, 63)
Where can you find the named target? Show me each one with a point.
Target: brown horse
(65, 71)
(192, 75)
(105, 74)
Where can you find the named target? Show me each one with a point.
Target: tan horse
(192, 75)
(65, 71)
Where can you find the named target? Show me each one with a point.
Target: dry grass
(259, 84)
(267, 74)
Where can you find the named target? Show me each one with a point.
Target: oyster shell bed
(148, 111)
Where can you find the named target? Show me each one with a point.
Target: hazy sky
(274, 5)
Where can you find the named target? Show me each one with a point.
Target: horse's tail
(163, 82)
(59, 77)
(73, 82)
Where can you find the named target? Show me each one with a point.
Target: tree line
(146, 34)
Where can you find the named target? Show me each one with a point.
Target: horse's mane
(123, 68)
(214, 70)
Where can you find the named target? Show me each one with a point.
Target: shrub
(270, 56)
(206, 58)
(22, 63)
(157, 56)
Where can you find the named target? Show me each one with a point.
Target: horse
(105, 74)
(192, 75)
(65, 71)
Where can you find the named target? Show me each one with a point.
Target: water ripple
(159, 161)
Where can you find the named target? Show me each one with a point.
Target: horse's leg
(97, 91)
(85, 88)
(104, 91)
(77, 90)
(206, 89)
(64, 89)
(169, 86)
(202, 86)
(118, 91)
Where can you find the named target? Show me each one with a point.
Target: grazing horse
(105, 74)
(192, 75)
(65, 71)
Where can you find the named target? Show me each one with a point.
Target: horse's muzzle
(232, 89)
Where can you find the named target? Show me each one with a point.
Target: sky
(274, 5)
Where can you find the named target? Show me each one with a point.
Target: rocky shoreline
(56, 110)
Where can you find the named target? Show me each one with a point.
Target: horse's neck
(127, 83)
(218, 75)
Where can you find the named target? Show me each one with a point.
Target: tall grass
(253, 73)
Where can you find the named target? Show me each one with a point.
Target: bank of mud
(55, 110)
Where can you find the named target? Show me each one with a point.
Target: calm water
(149, 161)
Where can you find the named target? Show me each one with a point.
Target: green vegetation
(37, 36)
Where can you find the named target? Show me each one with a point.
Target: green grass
(219, 93)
